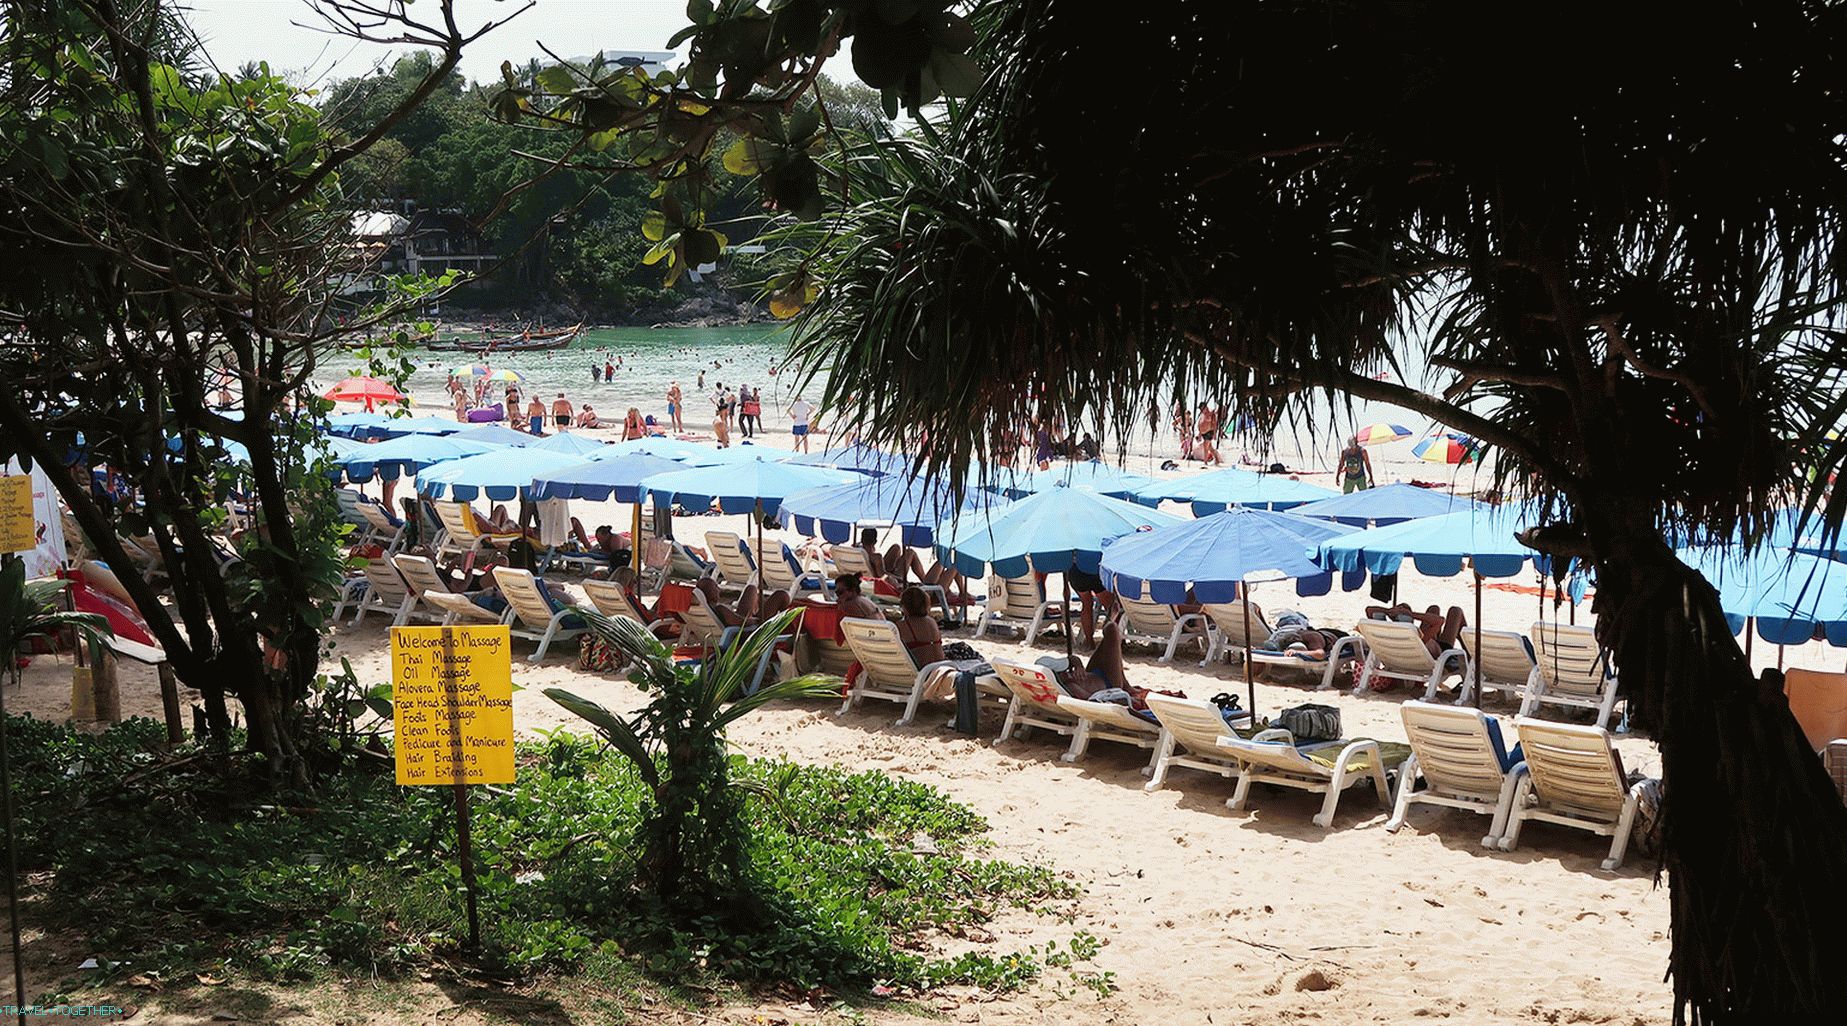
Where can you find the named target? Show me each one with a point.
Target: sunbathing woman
(918, 629)
(1105, 669)
(752, 607)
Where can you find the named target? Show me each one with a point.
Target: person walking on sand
(561, 412)
(1355, 467)
(750, 417)
(535, 418)
(799, 412)
(1208, 435)
(674, 403)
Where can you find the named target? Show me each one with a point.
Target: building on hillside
(414, 242)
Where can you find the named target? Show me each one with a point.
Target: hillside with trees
(565, 240)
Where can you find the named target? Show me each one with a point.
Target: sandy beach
(1208, 915)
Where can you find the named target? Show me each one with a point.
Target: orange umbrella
(364, 390)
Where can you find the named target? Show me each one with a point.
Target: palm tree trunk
(1754, 836)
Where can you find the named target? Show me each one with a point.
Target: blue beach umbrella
(1214, 556)
(1791, 595)
(862, 458)
(397, 426)
(410, 453)
(493, 434)
(1211, 556)
(599, 480)
(739, 487)
(909, 504)
(1812, 537)
(1091, 476)
(1439, 545)
(691, 454)
(569, 444)
(1234, 486)
(1055, 529)
(501, 474)
(1385, 505)
(358, 425)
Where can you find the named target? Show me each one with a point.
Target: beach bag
(598, 656)
(1311, 722)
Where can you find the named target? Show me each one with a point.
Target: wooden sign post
(452, 712)
(18, 533)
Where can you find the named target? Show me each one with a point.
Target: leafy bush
(167, 875)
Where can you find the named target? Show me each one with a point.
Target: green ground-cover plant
(361, 876)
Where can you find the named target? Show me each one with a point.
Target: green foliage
(749, 90)
(694, 836)
(362, 876)
(29, 613)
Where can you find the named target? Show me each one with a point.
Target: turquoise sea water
(652, 359)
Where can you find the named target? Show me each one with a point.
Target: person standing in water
(609, 369)
(1355, 467)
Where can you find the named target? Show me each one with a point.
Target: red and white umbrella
(364, 390)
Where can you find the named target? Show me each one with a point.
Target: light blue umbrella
(909, 504)
(1385, 505)
(358, 425)
(1088, 475)
(862, 458)
(739, 487)
(1211, 556)
(1813, 537)
(502, 474)
(395, 426)
(1216, 556)
(1789, 594)
(407, 453)
(691, 454)
(1234, 486)
(569, 444)
(1055, 529)
(495, 434)
(1438, 546)
(599, 480)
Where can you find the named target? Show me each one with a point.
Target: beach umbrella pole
(634, 543)
(1476, 660)
(1250, 682)
(1750, 623)
(1064, 585)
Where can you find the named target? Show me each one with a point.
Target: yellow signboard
(452, 698)
(18, 528)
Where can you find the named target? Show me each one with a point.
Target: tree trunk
(1754, 836)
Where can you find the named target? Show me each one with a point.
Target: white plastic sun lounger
(422, 577)
(1018, 600)
(1396, 651)
(387, 593)
(1505, 661)
(1573, 778)
(533, 617)
(379, 528)
(1328, 768)
(462, 529)
(1035, 693)
(736, 569)
(1460, 755)
(1144, 619)
(886, 669)
(781, 572)
(608, 598)
(1228, 634)
(703, 622)
(1107, 721)
(1190, 733)
(1570, 669)
(457, 609)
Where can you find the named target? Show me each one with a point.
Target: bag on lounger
(1311, 722)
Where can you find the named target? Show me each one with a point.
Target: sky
(285, 33)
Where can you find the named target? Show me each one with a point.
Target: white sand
(1210, 915)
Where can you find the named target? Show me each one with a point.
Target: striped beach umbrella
(1451, 449)
(1381, 433)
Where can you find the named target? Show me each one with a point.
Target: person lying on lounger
(752, 608)
(1438, 629)
(896, 565)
